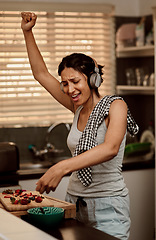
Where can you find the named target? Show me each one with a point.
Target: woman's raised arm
(39, 69)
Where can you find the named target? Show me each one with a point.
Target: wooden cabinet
(154, 20)
(141, 190)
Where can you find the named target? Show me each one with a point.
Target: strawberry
(16, 202)
(38, 199)
(7, 191)
(24, 201)
(7, 196)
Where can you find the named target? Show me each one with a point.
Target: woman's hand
(28, 20)
(50, 180)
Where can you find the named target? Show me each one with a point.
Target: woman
(96, 140)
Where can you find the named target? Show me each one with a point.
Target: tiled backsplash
(25, 136)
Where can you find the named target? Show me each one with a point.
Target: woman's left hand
(50, 180)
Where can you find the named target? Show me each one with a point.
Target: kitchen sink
(40, 164)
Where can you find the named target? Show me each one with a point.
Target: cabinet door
(141, 189)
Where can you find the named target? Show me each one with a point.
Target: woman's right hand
(28, 20)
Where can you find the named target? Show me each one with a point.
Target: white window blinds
(23, 101)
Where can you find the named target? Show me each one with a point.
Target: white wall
(146, 6)
(122, 7)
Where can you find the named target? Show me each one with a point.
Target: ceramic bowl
(46, 216)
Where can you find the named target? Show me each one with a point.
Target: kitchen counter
(138, 164)
(70, 229)
(13, 228)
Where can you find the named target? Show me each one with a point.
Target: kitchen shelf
(143, 51)
(128, 90)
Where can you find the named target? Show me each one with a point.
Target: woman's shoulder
(114, 100)
(119, 103)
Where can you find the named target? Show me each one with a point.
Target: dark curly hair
(81, 63)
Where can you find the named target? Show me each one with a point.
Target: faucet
(37, 153)
(49, 147)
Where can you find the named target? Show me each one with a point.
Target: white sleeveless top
(107, 179)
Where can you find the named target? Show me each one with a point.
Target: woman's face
(75, 86)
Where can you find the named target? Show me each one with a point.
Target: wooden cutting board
(18, 209)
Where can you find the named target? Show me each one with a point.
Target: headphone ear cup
(61, 86)
(95, 80)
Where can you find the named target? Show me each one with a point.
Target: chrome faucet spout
(52, 127)
(49, 148)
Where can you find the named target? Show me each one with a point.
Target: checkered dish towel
(88, 137)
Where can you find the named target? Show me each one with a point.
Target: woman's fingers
(28, 20)
(40, 188)
(46, 187)
(50, 180)
(27, 16)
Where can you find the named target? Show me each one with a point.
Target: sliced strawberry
(7, 191)
(7, 196)
(16, 202)
(24, 201)
(38, 199)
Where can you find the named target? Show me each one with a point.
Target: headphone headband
(96, 69)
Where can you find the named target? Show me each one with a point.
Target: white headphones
(95, 79)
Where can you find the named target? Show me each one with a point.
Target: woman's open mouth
(75, 97)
